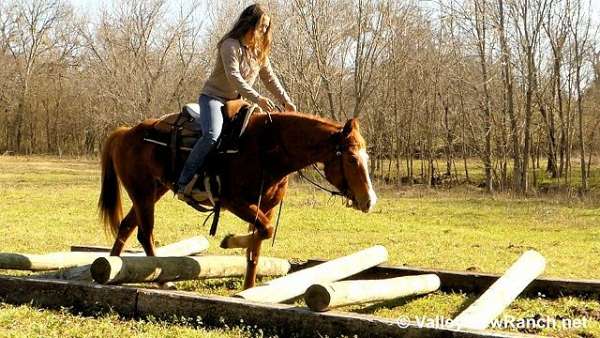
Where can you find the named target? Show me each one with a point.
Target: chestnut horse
(271, 149)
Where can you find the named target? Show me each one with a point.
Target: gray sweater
(235, 72)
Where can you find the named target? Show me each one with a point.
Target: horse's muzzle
(365, 205)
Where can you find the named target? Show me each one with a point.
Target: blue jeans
(211, 124)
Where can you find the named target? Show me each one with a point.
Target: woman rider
(243, 55)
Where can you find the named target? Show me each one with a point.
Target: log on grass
(114, 270)
(97, 248)
(186, 247)
(503, 292)
(51, 261)
(76, 264)
(295, 284)
(324, 296)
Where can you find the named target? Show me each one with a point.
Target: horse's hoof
(225, 241)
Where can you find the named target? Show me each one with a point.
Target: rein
(338, 153)
(332, 192)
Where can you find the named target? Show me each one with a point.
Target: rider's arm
(270, 80)
(231, 56)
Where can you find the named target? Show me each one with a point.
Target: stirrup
(186, 194)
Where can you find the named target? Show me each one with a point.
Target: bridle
(331, 191)
(344, 191)
(339, 149)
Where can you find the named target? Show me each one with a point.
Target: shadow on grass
(388, 304)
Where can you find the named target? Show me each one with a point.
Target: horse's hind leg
(128, 225)
(144, 210)
(126, 228)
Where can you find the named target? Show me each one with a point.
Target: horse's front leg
(252, 255)
(253, 215)
(259, 231)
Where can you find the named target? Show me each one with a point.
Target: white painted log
(295, 284)
(324, 296)
(55, 260)
(186, 247)
(503, 292)
(97, 248)
(63, 260)
(114, 270)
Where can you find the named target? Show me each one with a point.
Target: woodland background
(498, 93)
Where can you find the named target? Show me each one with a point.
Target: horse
(273, 147)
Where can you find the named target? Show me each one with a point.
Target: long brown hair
(249, 21)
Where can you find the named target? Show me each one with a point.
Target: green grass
(48, 204)
(25, 321)
(543, 181)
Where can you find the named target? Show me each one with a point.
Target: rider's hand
(266, 104)
(290, 107)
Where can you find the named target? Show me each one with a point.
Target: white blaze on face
(364, 157)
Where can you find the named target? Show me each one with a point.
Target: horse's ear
(351, 124)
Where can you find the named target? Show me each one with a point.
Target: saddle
(178, 133)
(235, 118)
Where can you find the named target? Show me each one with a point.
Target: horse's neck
(304, 140)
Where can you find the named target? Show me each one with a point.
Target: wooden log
(114, 270)
(51, 261)
(215, 311)
(186, 247)
(503, 292)
(324, 296)
(63, 260)
(59, 294)
(96, 248)
(473, 282)
(295, 284)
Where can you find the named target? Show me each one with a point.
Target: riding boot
(184, 193)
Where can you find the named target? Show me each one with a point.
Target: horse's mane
(306, 117)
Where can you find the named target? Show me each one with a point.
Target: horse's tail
(109, 203)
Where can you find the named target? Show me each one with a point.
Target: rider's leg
(211, 124)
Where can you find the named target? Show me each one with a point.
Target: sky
(90, 6)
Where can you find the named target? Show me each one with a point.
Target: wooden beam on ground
(97, 248)
(51, 261)
(115, 270)
(473, 282)
(503, 292)
(273, 319)
(324, 296)
(295, 284)
(56, 294)
(63, 260)
(186, 247)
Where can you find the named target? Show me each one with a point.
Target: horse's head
(347, 169)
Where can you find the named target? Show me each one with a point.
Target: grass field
(47, 204)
